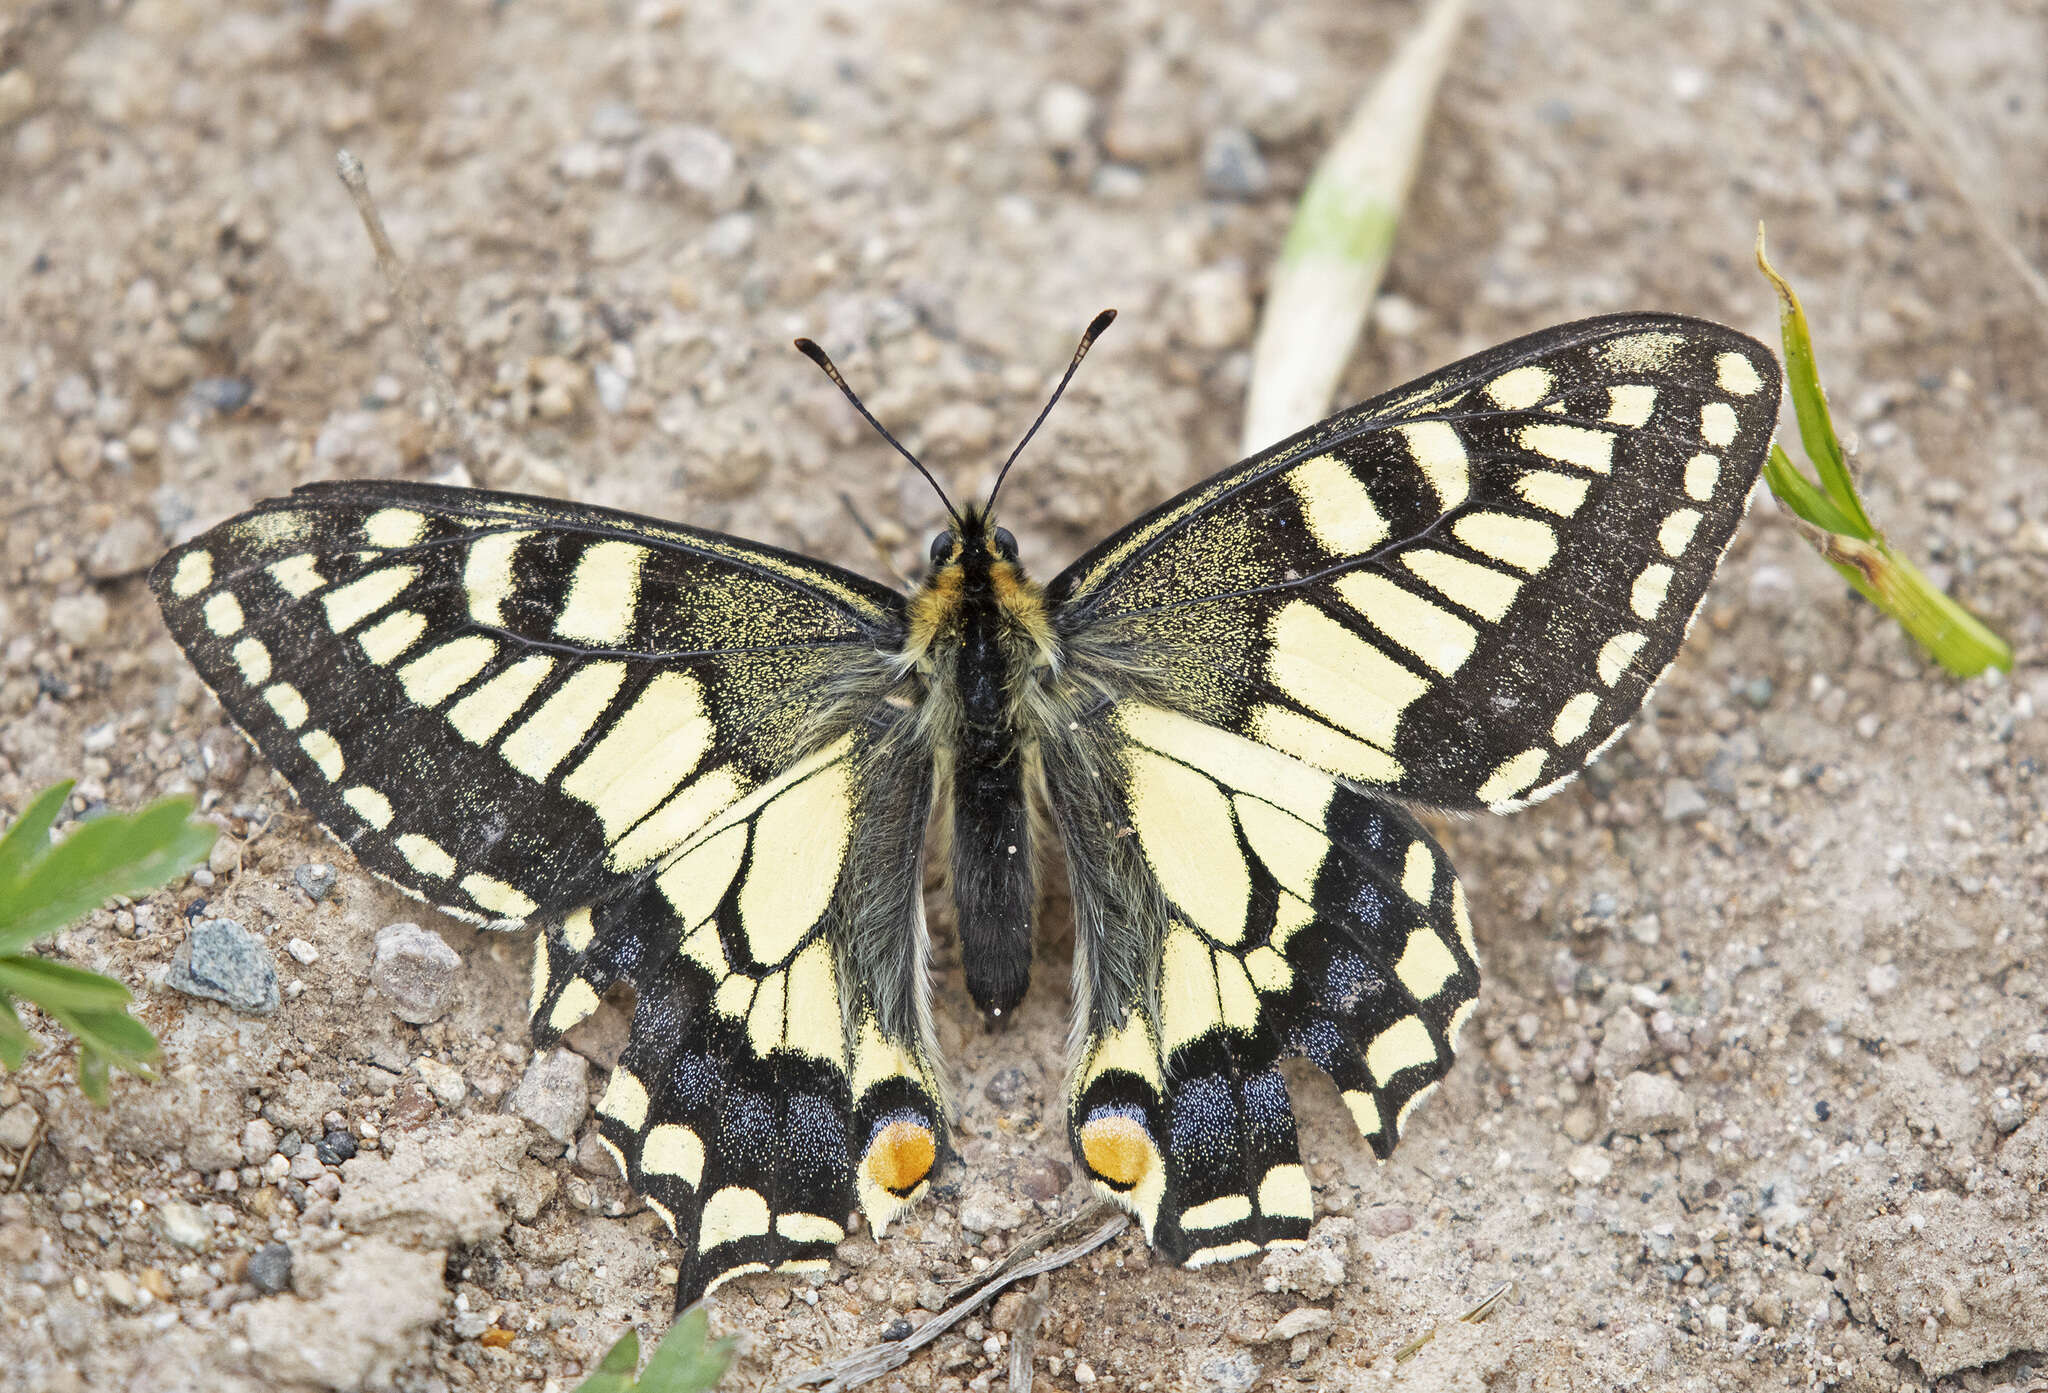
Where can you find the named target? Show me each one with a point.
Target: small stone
(1386, 1220)
(128, 547)
(122, 1291)
(1084, 1372)
(222, 961)
(167, 367)
(315, 879)
(1683, 801)
(1117, 183)
(18, 1127)
(225, 395)
(1221, 1373)
(1647, 1104)
(1300, 1321)
(79, 619)
(1881, 981)
(594, 1159)
(259, 1141)
(270, 1268)
(1624, 1045)
(470, 1324)
(695, 159)
(1580, 1124)
(1008, 1087)
(17, 96)
(1589, 1165)
(1064, 113)
(2007, 1114)
(303, 953)
(305, 1166)
(1231, 164)
(225, 754)
(185, 1225)
(1757, 692)
(79, 454)
(1218, 306)
(1149, 122)
(444, 1081)
(986, 1213)
(336, 1144)
(554, 1094)
(415, 968)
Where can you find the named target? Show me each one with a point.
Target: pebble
(594, 1160)
(1683, 801)
(270, 1268)
(122, 1291)
(1589, 1165)
(259, 1141)
(1008, 1086)
(553, 1094)
(126, 548)
(316, 880)
(18, 1127)
(444, 1081)
(987, 1213)
(1064, 114)
(79, 619)
(1224, 1373)
(1117, 183)
(303, 953)
(1148, 122)
(2007, 1113)
(1231, 164)
(225, 754)
(306, 1166)
(415, 968)
(1218, 305)
(185, 1225)
(1881, 981)
(1386, 1220)
(79, 455)
(222, 961)
(1300, 1321)
(336, 1144)
(223, 394)
(1647, 1104)
(695, 159)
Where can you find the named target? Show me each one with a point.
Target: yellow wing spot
(1631, 405)
(1717, 423)
(194, 574)
(425, 855)
(901, 1156)
(498, 897)
(1128, 1049)
(1119, 1150)
(1418, 873)
(1435, 635)
(573, 1006)
(1461, 920)
(223, 614)
(1676, 533)
(1223, 1252)
(544, 739)
(1562, 494)
(1284, 1193)
(733, 1212)
(808, 1228)
(349, 605)
(325, 752)
(1308, 739)
(799, 848)
(1519, 389)
(766, 1018)
(290, 707)
(675, 822)
(1365, 1111)
(815, 1026)
(1460, 1014)
(1290, 918)
(440, 672)
(1616, 654)
(484, 712)
(696, 882)
(1234, 991)
(1408, 1108)
(1737, 375)
(672, 1149)
(625, 1100)
(538, 992)
(618, 1159)
(1189, 1007)
(254, 661)
(802, 1264)
(577, 930)
(1425, 965)
(1702, 472)
(1269, 971)
(603, 594)
(297, 576)
(745, 1269)
(1440, 455)
(1185, 830)
(1645, 352)
(1216, 1213)
(369, 805)
(1337, 507)
(667, 1216)
(1646, 596)
(1403, 1045)
(1574, 718)
(652, 746)
(394, 527)
(1235, 762)
(1524, 543)
(392, 635)
(1292, 851)
(487, 575)
(734, 997)
(1579, 446)
(1513, 775)
(1486, 592)
(1338, 675)
(877, 1057)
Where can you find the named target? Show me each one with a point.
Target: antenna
(816, 354)
(1094, 331)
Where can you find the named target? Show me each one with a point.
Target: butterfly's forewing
(520, 709)
(1455, 596)
(1458, 592)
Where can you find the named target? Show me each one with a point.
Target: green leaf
(687, 1360)
(29, 837)
(614, 1372)
(14, 1036)
(1810, 403)
(115, 854)
(1799, 493)
(56, 986)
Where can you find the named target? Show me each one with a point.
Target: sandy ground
(1755, 1095)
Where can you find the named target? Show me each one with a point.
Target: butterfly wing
(651, 739)
(1454, 595)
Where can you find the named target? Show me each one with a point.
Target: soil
(1755, 1094)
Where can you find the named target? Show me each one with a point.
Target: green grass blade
(1810, 403)
(614, 1373)
(56, 986)
(687, 1360)
(29, 837)
(116, 854)
(14, 1036)
(1801, 495)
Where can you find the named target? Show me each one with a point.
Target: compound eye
(1006, 545)
(942, 547)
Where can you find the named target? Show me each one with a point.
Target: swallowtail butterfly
(705, 767)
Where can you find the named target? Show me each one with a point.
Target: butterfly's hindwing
(1296, 917)
(1461, 591)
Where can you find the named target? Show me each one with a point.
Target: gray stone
(1228, 1373)
(315, 879)
(79, 619)
(1647, 1104)
(126, 548)
(222, 961)
(415, 968)
(1683, 801)
(259, 1141)
(444, 1081)
(1300, 1321)
(1231, 164)
(18, 1127)
(554, 1094)
(270, 1268)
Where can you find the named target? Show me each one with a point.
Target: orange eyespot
(901, 1156)
(1118, 1149)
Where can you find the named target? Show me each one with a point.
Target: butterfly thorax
(981, 635)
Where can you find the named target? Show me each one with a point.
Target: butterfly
(706, 768)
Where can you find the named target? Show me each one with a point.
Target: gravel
(415, 970)
(554, 1094)
(222, 961)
